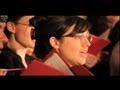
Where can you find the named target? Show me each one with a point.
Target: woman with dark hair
(62, 42)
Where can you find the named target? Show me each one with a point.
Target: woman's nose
(86, 43)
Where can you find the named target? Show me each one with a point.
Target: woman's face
(74, 49)
(3, 38)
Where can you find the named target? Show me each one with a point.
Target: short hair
(55, 26)
(99, 24)
(14, 19)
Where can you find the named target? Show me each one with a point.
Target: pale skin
(74, 49)
(22, 31)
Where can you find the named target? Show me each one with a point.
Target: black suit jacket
(9, 60)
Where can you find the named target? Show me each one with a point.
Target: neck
(14, 45)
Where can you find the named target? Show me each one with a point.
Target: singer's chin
(83, 61)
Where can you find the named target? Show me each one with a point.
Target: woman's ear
(54, 42)
(11, 27)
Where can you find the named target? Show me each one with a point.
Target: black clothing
(10, 60)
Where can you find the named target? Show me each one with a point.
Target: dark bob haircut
(55, 26)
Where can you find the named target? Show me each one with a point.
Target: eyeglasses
(32, 29)
(81, 37)
(25, 24)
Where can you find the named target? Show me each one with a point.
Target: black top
(10, 60)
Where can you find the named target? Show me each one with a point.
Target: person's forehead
(26, 18)
(84, 33)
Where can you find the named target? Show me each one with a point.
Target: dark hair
(33, 21)
(55, 26)
(99, 24)
(13, 19)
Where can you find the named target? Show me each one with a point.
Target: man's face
(23, 32)
(112, 20)
(3, 38)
